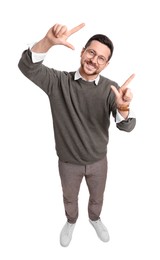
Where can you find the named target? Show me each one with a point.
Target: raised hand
(58, 34)
(123, 95)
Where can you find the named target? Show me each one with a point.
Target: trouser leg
(71, 176)
(95, 176)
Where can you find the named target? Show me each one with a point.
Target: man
(81, 105)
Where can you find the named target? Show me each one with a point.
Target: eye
(101, 59)
(91, 52)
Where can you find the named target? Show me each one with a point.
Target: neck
(87, 77)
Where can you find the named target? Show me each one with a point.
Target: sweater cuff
(36, 57)
(120, 118)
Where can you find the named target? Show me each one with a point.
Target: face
(94, 59)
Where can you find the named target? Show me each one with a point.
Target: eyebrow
(100, 55)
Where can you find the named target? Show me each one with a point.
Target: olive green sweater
(81, 111)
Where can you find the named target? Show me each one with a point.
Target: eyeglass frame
(94, 54)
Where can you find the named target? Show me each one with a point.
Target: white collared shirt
(78, 76)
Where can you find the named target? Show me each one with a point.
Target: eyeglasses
(91, 54)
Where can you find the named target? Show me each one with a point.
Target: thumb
(67, 44)
(116, 92)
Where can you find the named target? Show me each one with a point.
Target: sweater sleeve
(127, 125)
(38, 73)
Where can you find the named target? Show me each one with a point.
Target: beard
(89, 68)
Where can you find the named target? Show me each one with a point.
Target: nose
(95, 58)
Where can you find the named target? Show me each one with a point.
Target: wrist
(123, 108)
(42, 46)
(123, 111)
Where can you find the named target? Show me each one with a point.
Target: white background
(31, 206)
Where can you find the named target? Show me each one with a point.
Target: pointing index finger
(75, 29)
(128, 81)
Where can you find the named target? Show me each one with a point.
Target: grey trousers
(71, 177)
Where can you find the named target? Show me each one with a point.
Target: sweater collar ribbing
(77, 76)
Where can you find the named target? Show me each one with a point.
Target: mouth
(90, 66)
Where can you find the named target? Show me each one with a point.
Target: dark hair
(103, 39)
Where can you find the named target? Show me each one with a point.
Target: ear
(106, 64)
(82, 51)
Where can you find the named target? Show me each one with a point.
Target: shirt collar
(77, 76)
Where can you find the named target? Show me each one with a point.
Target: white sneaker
(100, 229)
(66, 234)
